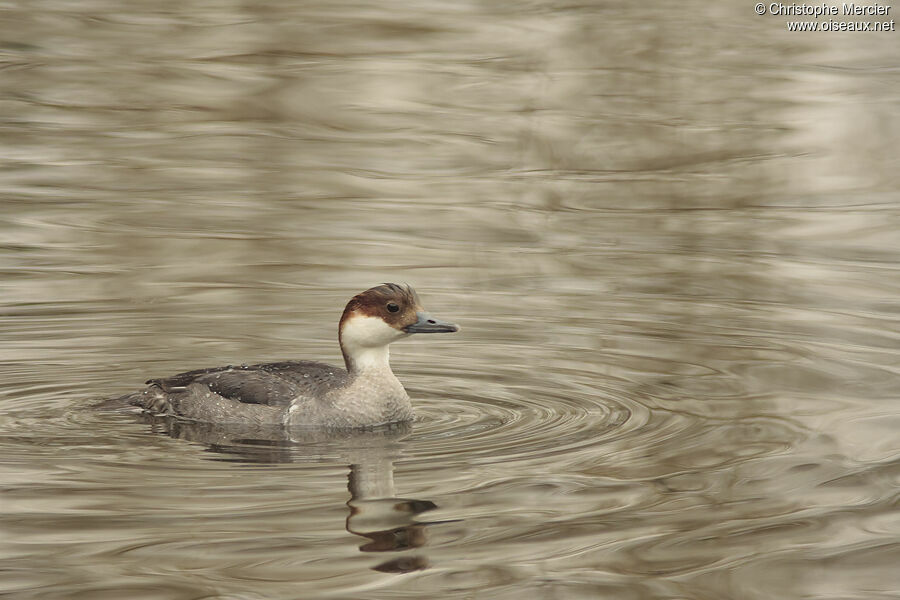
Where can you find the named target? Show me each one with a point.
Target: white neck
(364, 342)
(369, 359)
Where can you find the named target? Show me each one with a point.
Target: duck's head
(381, 315)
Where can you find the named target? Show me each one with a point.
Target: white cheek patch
(365, 332)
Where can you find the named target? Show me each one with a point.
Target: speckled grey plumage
(294, 393)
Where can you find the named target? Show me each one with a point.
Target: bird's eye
(392, 307)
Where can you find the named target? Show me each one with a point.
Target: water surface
(669, 232)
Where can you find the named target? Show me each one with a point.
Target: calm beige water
(670, 232)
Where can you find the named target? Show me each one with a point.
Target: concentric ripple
(575, 421)
(523, 423)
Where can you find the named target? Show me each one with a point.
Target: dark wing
(271, 384)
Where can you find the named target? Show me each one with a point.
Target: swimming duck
(307, 393)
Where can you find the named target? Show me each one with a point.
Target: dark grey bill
(428, 324)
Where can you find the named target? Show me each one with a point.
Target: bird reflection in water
(388, 523)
